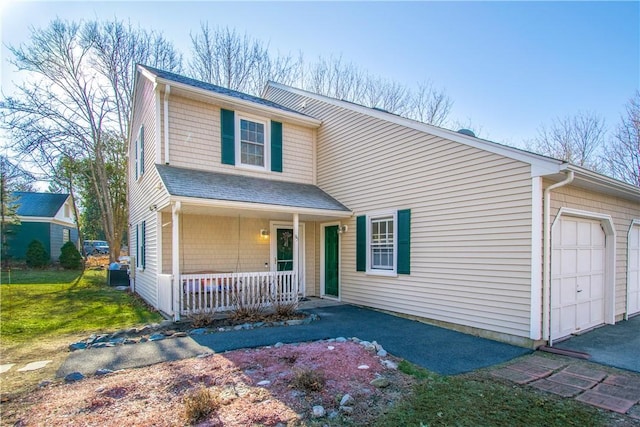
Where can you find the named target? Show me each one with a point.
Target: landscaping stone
(380, 382)
(77, 346)
(278, 345)
(119, 340)
(341, 339)
(156, 337)
(331, 347)
(318, 411)
(606, 402)
(264, 383)
(34, 366)
(6, 367)
(346, 409)
(294, 322)
(198, 331)
(389, 364)
(179, 335)
(103, 371)
(363, 367)
(382, 352)
(347, 400)
(73, 377)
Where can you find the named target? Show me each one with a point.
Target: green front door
(331, 260)
(284, 249)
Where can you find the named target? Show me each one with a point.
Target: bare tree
(76, 105)
(576, 139)
(622, 155)
(430, 105)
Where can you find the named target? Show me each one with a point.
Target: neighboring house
(367, 207)
(47, 217)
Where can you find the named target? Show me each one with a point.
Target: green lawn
(47, 304)
(473, 400)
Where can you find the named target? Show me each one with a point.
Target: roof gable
(39, 204)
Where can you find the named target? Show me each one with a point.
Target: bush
(70, 258)
(199, 404)
(308, 380)
(37, 256)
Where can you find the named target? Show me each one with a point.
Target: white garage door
(577, 276)
(634, 270)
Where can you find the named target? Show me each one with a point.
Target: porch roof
(183, 182)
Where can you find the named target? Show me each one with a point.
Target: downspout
(167, 91)
(546, 257)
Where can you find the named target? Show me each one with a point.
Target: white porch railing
(228, 291)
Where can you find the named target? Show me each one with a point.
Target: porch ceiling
(192, 207)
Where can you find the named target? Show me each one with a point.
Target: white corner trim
(167, 92)
(535, 332)
(156, 139)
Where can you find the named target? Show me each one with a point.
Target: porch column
(296, 245)
(175, 258)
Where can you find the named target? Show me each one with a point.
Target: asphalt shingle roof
(222, 186)
(38, 204)
(216, 89)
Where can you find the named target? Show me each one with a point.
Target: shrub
(70, 258)
(37, 256)
(199, 404)
(308, 380)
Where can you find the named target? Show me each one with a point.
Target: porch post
(296, 245)
(175, 258)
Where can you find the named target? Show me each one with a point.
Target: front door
(284, 249)
(331, 258)
(281, 251)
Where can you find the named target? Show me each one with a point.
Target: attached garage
(633, 276)
(578, 275)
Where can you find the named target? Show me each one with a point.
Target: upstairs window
(251, 143)
(139, 164)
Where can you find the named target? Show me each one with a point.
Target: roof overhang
(227, 101)
(592, 181)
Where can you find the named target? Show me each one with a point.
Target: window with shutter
(383, 244)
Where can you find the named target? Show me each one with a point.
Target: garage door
(577, 276)
(634, 270)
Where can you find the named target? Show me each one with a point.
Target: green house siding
(21, 235)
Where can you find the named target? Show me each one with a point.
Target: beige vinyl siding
(228, 244)
(145, 191)
(195, 142)
(470, 218)
(622, 211)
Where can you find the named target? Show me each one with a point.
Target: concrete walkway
(437, 349)
(613, 345)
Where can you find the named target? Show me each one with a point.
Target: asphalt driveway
(437, 349)
(613, 345)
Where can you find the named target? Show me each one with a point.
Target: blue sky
(508, 66)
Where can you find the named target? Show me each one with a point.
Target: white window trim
(267, 141)
(374, 271)
(140, 238)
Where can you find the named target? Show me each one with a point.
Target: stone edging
(163, 330)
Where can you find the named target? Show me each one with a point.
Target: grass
(473, 400)
(49, 304)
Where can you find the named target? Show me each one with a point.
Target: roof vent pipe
(467, 132)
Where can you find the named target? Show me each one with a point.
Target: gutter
(546, 258)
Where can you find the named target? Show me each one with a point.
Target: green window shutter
(135, 166)
(361, 243)
(137, 245)
(276, 146)
(144, 244)
(404, 241)
(227, 130)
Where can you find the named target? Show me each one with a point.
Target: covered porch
(219, 253)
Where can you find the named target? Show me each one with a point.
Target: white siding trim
(167, 91)
(610, 247)
(536, 258)
(158, 120)
(322, 287)
(634, 223)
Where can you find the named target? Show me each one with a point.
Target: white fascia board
(262, 207)
(622, 188)
(541, 165)
(292, 116)
(46, 219)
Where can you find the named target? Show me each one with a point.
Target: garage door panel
(597, 260)
(568, 291)
(568, 262)
(584, 234)
(569, 232)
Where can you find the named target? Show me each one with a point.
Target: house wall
(195, 142)
(145, 191)
(622, 211)
(56, 232)
(228, 244)
(471, 217)
(20, 235)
